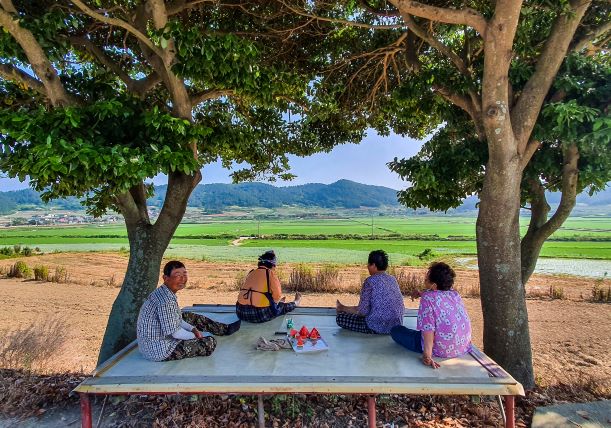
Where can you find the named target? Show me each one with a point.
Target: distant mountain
(344, 194)
(341, 194)
(217, 197)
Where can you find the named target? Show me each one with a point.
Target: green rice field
(319, 240)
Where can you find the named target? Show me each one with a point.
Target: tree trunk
(147, 245)
(540, 227)
(141, 278)
(506, 334)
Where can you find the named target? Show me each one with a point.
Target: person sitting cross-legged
(381, 304)
(259, 299)
(165, 332)
(443, 325)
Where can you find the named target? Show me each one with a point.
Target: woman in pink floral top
(443, 328)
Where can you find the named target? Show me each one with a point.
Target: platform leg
(510, 411)
(85, 410)
(371, 410)
(261, 412)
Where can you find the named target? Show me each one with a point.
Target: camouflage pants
(193, 348)
(206, 324)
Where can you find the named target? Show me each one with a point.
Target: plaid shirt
(159, 317)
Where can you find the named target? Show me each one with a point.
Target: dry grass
(469, 291)
(41, 273)
(32, 347)
(600, 294)
(552, 292)
(327, 279)
(238, 283)
(410, 283)
(61, 275)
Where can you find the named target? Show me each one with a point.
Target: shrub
(304, 279)
(33, 346)
(409, 283)
(61, 275)
(327, 280)
(556, 292)
(41, 273)
(427, 254)
(471, 291)
(17, 248)
(7, 251)
(27, 251)
(301, 278)
(599, 294)
(238, 283)
(20, 270)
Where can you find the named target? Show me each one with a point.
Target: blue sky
(363, 163)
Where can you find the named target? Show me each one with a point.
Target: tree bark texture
(146, 251)
(148, 243)
(506, 334)
(540, 228)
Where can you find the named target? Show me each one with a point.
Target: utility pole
(259, 229)
(371, 226)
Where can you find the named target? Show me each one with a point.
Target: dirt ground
(570, 337)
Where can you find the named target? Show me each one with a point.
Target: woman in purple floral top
(443, 328)
(381, 305)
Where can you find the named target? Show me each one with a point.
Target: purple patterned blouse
(381, 303)
(444, 313)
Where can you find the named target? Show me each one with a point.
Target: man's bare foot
(297, 298)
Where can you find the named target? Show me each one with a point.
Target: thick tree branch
(591, 37)
(179, 189)
(142, 38)
(466, 16)
(8, 6)
(181, 103)
(129, 208)
(138, 87)
(540, 228)
(528, 106)
(466, 104)
(38, 59)
(210, 95)
(531, 148)
(11, 73)
(432, 40)
(570, 175)
(138, 193)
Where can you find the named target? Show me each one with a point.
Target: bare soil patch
(570, 336)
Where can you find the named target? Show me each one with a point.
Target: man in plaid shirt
(165, 333)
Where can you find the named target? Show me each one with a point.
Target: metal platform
(354, 364)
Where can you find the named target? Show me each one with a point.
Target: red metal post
(510, 411)
(371, 410)
(85, 410)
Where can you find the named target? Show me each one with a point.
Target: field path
(238, 242)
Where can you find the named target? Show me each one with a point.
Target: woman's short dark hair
(268, 259)
(171, 265)
(441, 274)
(378, 258)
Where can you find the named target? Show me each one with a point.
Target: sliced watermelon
(304, 332)
(293, 332)
(314, 334)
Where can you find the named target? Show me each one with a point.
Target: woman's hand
(338, 306)
(427, 360)
(197, 333)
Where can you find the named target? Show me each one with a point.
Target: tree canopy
(133, 98)
(515, 94)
